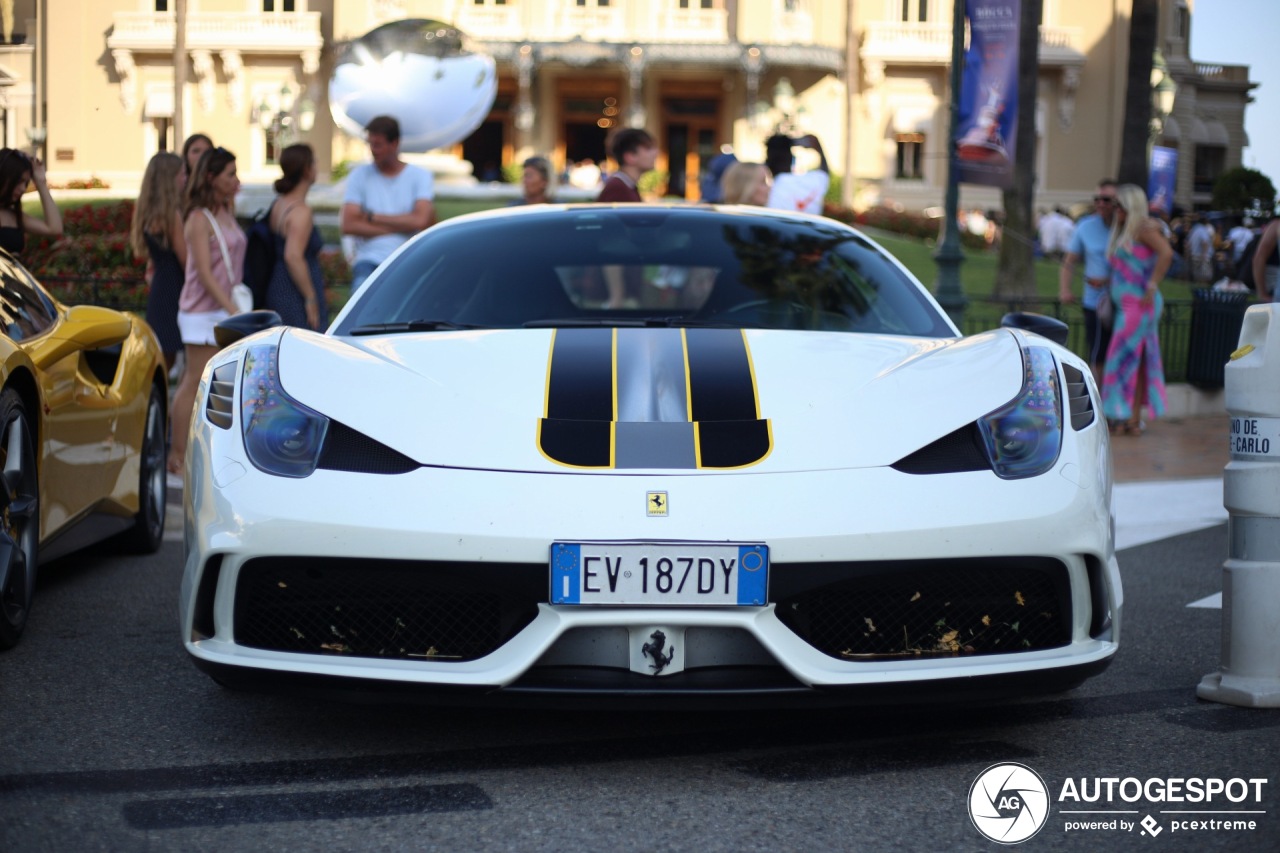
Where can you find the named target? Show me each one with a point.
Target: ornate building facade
(92, 82)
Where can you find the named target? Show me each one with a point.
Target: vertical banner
(1163, 178)
(986, 129)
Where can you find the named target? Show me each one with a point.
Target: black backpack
(260, 256)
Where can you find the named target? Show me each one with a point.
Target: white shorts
(197, 328)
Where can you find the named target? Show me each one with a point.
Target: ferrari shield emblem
(656, 503)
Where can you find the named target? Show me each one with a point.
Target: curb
(1188, 401)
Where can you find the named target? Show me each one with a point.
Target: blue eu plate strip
(566, 561)
(753, 573)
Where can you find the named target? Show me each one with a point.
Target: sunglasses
(1108, 199)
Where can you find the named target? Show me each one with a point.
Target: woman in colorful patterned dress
(1140, 256)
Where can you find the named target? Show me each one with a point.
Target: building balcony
(249, 32)
(911, 43)
(1209, 73)
(660, 22)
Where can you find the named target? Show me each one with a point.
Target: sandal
(1131, 428)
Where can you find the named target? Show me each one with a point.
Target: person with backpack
(295, 287)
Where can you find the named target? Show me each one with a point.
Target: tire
(148, 525)
(19, 518)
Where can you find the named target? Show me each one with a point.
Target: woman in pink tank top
(215, 263)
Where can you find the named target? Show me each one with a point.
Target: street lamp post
(284, 122)
(949, 257)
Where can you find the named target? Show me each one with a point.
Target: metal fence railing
(1175, 326)
(980, 315)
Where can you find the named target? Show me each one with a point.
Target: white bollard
(1250, 674)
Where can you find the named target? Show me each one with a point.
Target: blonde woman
(1140, 256)
(156, 233)
(745, 183)
(211, 273)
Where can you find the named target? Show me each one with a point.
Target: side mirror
(85, 327)
(1040, 324)
(240, 326)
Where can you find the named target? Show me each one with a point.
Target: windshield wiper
(411, 326)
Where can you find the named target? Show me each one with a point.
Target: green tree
(1246, 191)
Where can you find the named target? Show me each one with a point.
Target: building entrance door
(690, 130)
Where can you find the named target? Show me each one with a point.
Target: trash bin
(1216, 317)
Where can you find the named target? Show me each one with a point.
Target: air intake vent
(957, 451)
(346, 449)
(222, 392)
(1081, 404)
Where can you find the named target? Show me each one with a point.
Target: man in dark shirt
(635, 153)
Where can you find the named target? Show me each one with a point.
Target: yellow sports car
(83, 425)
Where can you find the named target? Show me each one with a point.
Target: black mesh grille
(419, 610)
(957, 451)
(921, 608)
(347, 450)
(1081, 404)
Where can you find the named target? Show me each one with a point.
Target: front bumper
(235, 514)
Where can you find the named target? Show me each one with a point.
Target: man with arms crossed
(1089, 242)
(387, 201)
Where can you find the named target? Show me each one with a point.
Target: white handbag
(241, 295)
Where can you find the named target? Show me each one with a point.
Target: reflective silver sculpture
(424, 73)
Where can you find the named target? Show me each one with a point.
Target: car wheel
(19, 518)
(148, 526)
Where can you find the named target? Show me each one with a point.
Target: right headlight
(281, 436)
(1023, 438)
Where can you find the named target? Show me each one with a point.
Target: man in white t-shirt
(803, 193)
(1239, 237)
(386, 202)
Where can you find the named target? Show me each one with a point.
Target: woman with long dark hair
(215, 264)
(296, 289)
(192, 150)
(17, 171)
(156, 232)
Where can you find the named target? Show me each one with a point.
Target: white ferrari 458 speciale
(654, 452)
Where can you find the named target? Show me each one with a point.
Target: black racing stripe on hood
(721, 385)
(580, 377)
(652, 379)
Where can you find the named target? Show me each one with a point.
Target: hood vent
(955, 452)
(1081, 404)
(222, 390)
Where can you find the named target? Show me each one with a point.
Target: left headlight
(281, 436)
(1023, 438)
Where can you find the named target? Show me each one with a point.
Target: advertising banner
(986, 128)
(1162, 178)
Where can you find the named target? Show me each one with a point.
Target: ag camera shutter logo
(1008, 803)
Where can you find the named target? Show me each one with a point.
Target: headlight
(1023, 439)
(281, 435)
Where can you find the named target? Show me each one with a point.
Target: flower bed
(92, 263)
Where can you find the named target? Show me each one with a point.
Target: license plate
(665, 574)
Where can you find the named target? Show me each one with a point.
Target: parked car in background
(83, 415)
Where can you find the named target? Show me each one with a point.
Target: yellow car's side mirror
(85, 327)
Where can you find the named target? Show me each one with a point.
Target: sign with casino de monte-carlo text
(1255, 439)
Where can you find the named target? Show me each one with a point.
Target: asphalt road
(111, 740)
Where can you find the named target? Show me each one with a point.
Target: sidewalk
(1172, 449)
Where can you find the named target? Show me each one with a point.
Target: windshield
(643, 266)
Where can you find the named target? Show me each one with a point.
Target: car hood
(684, 401)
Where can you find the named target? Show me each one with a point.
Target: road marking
(1209, 602)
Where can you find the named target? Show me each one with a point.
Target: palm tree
(1015, 272)
(1136, 138)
